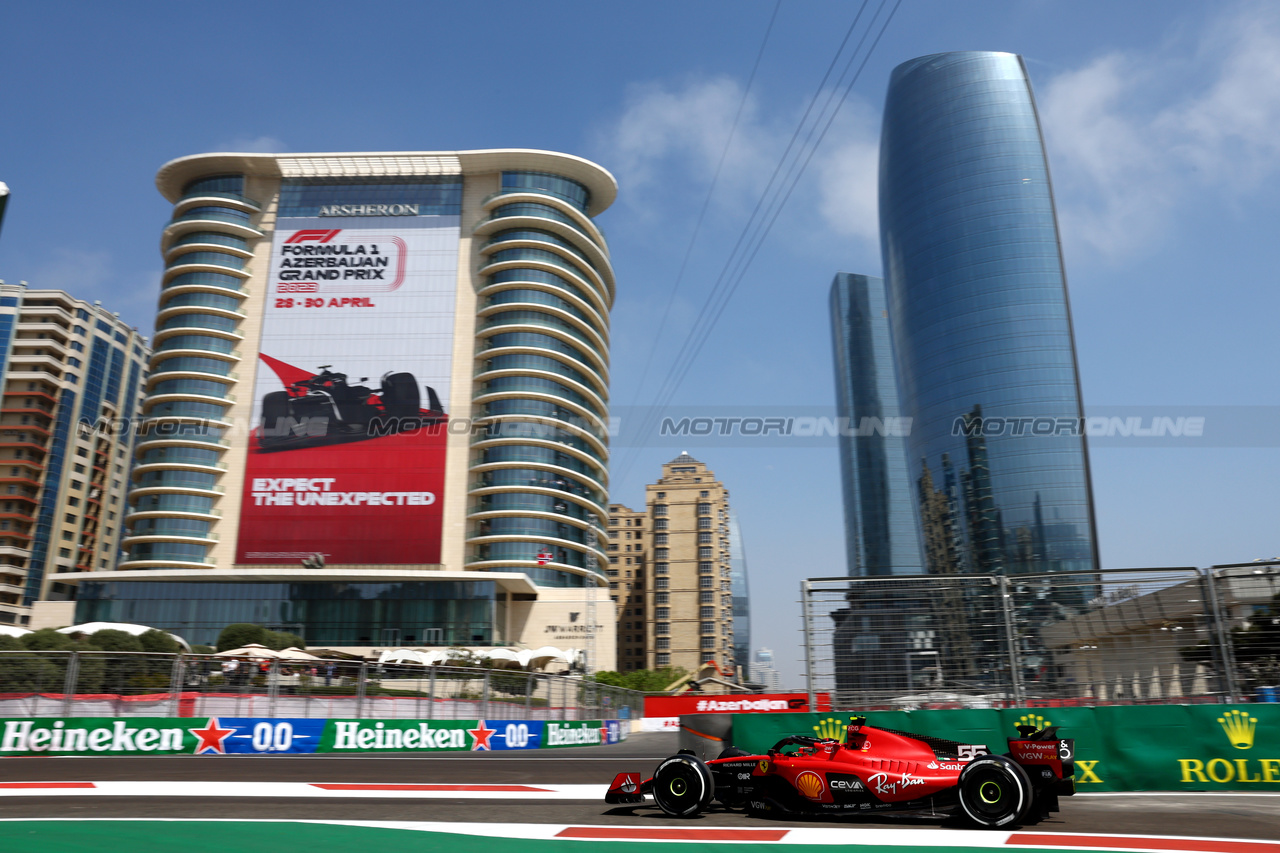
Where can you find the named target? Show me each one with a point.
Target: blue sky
(1162, 123)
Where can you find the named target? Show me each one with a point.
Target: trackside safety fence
(1117, 747)
(139, 684)
(1113, 637)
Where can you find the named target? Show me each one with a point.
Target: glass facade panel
(881, 535)
(980, 320)
(323, 613)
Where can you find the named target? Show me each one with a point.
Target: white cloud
(669, 140)
(1129, 146)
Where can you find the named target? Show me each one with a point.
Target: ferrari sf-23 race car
(322, 408)
(872, 771)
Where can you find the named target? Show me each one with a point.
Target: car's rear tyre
(683, 786)
(275, 416)
(400, 397)
(994, 791)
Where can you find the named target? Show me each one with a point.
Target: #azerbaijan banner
(1118, 747)
(257, 736)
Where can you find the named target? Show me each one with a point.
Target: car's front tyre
(683, 786)
(994, 791)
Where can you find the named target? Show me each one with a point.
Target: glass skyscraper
(981, 326)
(880, 530)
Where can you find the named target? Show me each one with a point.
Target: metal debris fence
(138, 684)
(1117, 636)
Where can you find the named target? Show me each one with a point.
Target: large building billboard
(347, 453)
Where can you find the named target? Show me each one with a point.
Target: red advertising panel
(733, 703)
(347, 453)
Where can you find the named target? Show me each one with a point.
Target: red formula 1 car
(873, 771)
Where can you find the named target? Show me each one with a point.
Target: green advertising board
(1118, 747)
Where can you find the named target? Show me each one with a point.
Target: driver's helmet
(854, 728)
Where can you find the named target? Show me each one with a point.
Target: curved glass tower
(980, 320)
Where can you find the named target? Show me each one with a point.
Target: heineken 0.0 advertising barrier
(252, 735)
(1118, 747)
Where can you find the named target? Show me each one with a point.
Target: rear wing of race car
(1048, 759)
(627, 788)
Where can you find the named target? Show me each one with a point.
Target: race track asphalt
(1253, 816)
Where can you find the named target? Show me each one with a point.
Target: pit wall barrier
(1117, 748)
(264, 736)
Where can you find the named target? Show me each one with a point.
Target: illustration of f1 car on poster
(347, 453)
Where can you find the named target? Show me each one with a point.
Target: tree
(645, 680)
(240, 634)
(46, 639)
(111, 640)
(281, 640)
(158, 642)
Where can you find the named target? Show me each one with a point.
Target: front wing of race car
(627, 788)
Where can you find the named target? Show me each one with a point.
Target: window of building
(661, 583)
(705, 568)
(628, 561)
(704, 523)
(704, 509)
(613, 547)
(706, 582)
(662, 495)
(708, 628)
(613, 559)
(628, 534)
(613, 585)
(708, 642)
(76, 484)
(67, 535)
(662, 613)
(663, 643)
(660, 538)
(704, 538)
(663, 659)
(659, 510)
(661, 568)
(704, 494)
(708, 656)
(705, 553)
(662, 627)
(613, 522)
(613, 573)
(64, 552)
(660, 524)
(661, 598)
(706, 613)
(661, 553)
(73, 502)
(70, 518)
(707, 596)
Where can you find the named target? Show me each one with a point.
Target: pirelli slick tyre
(683, 786)
(995, 791)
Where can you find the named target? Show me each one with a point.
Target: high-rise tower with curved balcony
(378, 404)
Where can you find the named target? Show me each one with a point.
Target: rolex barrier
(1117, 748)
(274, 735)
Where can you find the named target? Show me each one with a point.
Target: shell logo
(810, 784)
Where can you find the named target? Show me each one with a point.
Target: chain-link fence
(131, 684)
(1119, 636)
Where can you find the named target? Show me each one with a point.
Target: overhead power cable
(786, 175)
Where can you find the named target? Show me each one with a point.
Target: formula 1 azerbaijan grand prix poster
(347, 451)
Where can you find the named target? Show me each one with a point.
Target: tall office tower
(872, 635)
(766, 673)
(881, 533)
(377, 409)
(981, 325)
(741, 588)
(72, 373)
(628, 545)
(690, 597)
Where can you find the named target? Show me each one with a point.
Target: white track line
(267, 790)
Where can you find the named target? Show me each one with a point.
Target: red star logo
(211, 737)
(604, 733)
(480, 736)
